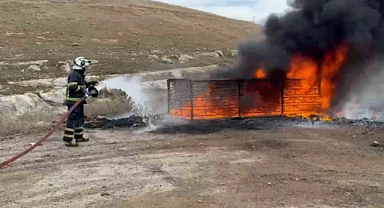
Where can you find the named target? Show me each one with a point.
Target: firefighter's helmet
(80, 63)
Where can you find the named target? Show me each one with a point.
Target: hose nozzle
(94, 91)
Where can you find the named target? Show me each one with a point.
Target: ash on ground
(359, 122)
(365, 129)
(172, 125)
(169, 124)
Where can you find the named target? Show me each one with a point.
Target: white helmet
(80, 63)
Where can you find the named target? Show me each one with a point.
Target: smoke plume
(132, 86)
(147, 101)
(364, 100)
(313, 28)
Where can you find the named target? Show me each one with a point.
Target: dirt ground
(228, 164)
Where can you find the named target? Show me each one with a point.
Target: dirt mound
(137, 24)
(119, 34)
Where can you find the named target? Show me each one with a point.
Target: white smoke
(366, 100)
(352, 110)
(146, 101)
(149, 102)
(133, 87)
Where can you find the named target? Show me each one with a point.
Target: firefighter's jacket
(75, 87)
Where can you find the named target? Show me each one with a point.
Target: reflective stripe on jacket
(76, 84)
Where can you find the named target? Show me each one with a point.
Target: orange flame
(330, 68)
(205, 106)
(259, 73)
(303, 68)
(313, 75)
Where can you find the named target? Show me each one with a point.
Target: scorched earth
(262, 162)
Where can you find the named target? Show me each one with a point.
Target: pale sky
(238, 9)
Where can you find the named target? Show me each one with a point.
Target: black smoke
(313, 28)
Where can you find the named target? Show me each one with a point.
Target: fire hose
(45, 137)
(92, 91)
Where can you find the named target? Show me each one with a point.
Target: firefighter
(77, 88)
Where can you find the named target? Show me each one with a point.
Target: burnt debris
(249, 123)
(104, 123)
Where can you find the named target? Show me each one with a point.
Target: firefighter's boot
(69, 138)
(79, 137)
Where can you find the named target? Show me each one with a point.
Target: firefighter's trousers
(75, 123)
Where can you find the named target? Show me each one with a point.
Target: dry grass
(110, 103)
(29, 123)
(37, 122)
(109, 107)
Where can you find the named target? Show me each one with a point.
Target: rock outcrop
(17, 105)
(215, 54)
(55, 97)
(166, 60)
(58, 82)
(64, 66)
(154, 52)
(234, 53)
(53, 100)
(37, 63)
(32, 69)
(154, 57)
(185, 58)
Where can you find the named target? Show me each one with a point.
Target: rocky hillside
(120, 34)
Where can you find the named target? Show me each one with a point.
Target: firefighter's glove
(85, 92)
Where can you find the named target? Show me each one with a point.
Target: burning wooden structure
(306, 87)
(216, 99)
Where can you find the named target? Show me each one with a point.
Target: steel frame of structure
(213, 99)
